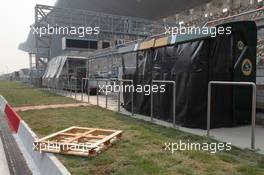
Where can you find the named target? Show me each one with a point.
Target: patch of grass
(141, 149)
(21, 95)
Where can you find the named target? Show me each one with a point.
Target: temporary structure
(192, 61)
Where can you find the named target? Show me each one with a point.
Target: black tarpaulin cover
(192, 65)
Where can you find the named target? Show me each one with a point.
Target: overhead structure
(112, 27)
(118, 24)
(114, 30)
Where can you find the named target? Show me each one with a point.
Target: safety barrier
(13, 118)
(39, 163)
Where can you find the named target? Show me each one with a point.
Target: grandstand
(217, 12)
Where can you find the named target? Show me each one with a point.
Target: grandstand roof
(150, 9)
(29, 45)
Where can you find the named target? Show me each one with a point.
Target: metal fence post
(132, 100)
(76, 89)
(97, 93)
(106, 95)
(88, 91)
(174, 104)
(209, 109)
(119, 94)
(253, 110)
(253, 122)
(82, 89)
(70, 88)
(151, 103)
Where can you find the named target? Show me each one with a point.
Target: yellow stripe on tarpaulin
(161, 42)
(146, 44)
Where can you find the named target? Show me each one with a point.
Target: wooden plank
(107, 138)
(67, 134)
(81, 135)
(55, 134)
(52, 142)
(94, 137)
(105, 130)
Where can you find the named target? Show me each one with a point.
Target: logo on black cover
(246, 67)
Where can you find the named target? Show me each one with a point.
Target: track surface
(16, 162)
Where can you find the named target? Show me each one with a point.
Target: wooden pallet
(78, 141)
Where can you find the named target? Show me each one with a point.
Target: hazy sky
(15, 18)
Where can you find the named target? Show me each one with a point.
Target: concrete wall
(39, 163)
(45, 163)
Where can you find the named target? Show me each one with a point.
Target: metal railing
(73, 87)
(210, 84)
(97, 89)
(253, 110)
(106, 96)
(173, 103)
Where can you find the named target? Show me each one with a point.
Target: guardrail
(106, 99)
(97, 91)
(253, 110)
(174, 99)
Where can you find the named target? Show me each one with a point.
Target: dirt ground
(54, 106)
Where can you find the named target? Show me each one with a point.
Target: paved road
(3, 162)
(16, 162)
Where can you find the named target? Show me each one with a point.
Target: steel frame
(253, 110)
(120, 81)
(111, 26)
